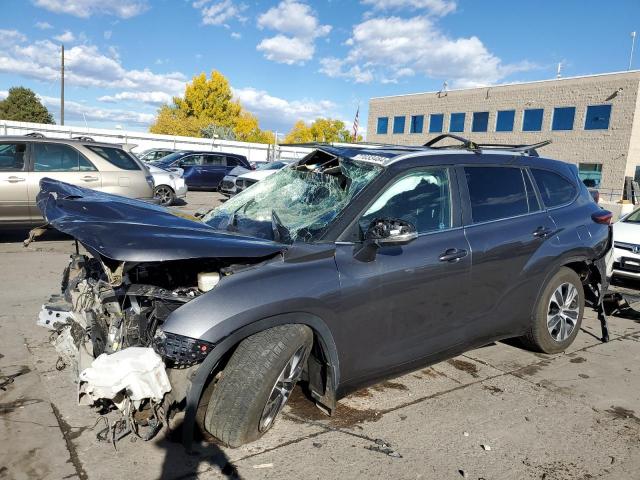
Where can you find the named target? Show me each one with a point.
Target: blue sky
(293, 59)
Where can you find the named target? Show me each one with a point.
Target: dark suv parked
(355, 264)
(203, 170)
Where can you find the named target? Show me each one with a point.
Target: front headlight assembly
(181, 351)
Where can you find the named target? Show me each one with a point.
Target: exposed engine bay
(106, 327)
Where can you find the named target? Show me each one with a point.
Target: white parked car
(626, 246)
(260, 173)
(168, 185)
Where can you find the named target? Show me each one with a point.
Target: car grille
(243, 183)
(631, 247)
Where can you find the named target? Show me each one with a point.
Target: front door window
(422, 198)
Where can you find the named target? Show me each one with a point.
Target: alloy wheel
(563, 312)
(164, 195)
(282, 389)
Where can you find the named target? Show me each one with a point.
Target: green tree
(321, 130)
(22, 105)
(206, 109)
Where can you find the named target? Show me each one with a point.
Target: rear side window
(56, 157)
(12, 157)
(115, 156)
(554, 189)
(499, 192)
(217, 160)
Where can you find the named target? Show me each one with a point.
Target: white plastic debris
(136, 373)
(466, 434)
(486, 447)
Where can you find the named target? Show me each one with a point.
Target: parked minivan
(24, 161)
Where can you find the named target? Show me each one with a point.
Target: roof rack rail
(530, 149)
(466, 143)
(35, 135)
(83, 138)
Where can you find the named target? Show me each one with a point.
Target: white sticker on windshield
(364, 157)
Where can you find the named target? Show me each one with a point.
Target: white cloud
(107, 34)
(236, 35)
(298, 27)
(86, 66)
(66, 37)
(334, 67)
(220, 12)
(75, 111)
(153, 98)
(293, 18)
(43, 25)
(87, 8)
(283, 49)
(391, 47)
(10, 37)
(434, 7)
(282, 113)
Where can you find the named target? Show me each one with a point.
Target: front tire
(558, 314)
(256, 383)
(164, 195)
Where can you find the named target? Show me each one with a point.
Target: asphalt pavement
(498, 412)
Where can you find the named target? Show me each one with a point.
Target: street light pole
(62, 87)
(633, 43)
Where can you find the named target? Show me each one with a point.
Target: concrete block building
(593, 121)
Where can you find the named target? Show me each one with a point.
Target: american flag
(356, 125)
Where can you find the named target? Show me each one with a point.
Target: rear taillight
(602, 217)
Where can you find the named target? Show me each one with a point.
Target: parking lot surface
(498, 412)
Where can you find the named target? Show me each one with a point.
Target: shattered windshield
(296, 203)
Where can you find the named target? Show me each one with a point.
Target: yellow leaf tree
(207, 102)
(321, 130)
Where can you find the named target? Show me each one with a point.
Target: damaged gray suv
(354, 264)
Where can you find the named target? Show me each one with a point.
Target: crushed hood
(130, 230)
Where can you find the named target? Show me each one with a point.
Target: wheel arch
(584, 268)
(165, 185)
(322, 342)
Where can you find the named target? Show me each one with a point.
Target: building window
(480, 122)
(590, 174)
(563, 118)
(436, 121)
(383, 125)
(504, 122)
(456, 124)
(532, 120)
(398, 124)
(417, 122)
(597, 117)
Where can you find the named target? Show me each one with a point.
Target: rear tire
(245, 401)
(558, 315)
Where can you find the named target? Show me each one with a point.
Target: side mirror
(385, 232)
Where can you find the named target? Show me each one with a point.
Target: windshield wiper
(281, 233)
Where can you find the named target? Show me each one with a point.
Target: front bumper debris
(134, 374)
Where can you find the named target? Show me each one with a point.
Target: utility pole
(62, 87)
(633, 43)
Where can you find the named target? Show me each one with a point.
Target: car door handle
(15, 179)
(542, 232)
(89, 178)
(453, 255)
